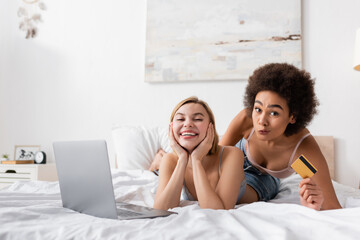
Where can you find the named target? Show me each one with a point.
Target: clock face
(40, 157)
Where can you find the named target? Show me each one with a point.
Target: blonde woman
(200, 168)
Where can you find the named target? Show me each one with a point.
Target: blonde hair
(215, 146)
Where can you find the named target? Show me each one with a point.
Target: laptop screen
(85, 177)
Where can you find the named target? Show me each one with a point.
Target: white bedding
(33, 210)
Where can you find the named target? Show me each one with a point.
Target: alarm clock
(40, 157)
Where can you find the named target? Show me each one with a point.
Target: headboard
(327, 147)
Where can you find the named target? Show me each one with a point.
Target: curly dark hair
(294, 85)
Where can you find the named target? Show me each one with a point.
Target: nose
(263, 120)
(188, 123)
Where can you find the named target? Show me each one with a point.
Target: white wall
(84, 73)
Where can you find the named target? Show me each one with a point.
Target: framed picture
(26, 152)
(224, 40)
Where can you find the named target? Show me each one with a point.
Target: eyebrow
(195, 114)
(270, 106)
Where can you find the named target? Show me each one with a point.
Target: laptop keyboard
(125, 213)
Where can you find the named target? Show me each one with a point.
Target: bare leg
(249, 196)
(155, 165)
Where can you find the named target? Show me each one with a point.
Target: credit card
(303, 167)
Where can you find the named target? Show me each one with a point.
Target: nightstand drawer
(10, 173)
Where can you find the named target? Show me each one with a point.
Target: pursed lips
(264, 131)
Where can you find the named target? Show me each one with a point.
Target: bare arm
(228, 186)
(171, 175)
(171, 180)
(237, 128)
(224, 196)
(320, 184)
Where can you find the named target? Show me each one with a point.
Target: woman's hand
(204, 147)
(310, 194)
(175, 146)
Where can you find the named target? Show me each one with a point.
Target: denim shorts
(264, 184)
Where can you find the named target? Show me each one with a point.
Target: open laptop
(86, 184)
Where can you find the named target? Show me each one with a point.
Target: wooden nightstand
(10, 173)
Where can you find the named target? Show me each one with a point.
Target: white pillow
(136, 146)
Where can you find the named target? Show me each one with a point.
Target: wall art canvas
(206, 40)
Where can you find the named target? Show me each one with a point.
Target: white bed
(33, 210)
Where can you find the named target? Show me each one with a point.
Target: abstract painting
(220, 40)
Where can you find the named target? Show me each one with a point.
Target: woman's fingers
(175, 145)
(209, 135)
(173, 142)
(310, 194)
(204, 147)
(306, 193)
(306, 181)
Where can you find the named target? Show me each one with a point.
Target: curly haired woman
(271, 131)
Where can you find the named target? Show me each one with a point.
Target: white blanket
(33, 210)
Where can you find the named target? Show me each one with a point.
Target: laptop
(86, 184)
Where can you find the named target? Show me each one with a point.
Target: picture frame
(25, 152)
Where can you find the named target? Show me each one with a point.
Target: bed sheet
(33, 210)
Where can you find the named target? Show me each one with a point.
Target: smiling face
(190, 125)
(270, 115)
